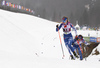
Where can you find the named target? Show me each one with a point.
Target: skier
(68, 38)
(77, 44)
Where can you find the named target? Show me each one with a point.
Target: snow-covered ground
(31, 42)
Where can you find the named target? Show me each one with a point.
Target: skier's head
(65, 19)
(80, 37)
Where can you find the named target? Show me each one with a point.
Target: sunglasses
(79, 37)
(64, 19)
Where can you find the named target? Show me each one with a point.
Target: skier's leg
(70, 43)
(68, 50)
(66, 44)
(71, 48)
(80, 53)
(75, 48)
(72, 57)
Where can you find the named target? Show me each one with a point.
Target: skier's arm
(73, 28)
(85, 42)
(73, 41)
(58, 27)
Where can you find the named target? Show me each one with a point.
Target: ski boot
(75, 55)
(72, 58)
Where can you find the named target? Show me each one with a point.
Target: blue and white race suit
(77, 45)
(68, 38)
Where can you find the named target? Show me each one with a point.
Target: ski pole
(61, 44)
(85, 52)
(80, 47)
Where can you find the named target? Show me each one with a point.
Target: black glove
(76, 37)
(57, 26)
(72, 43)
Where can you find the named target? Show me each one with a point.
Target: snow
(30, 42)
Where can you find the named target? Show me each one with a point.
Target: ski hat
(64, 19)
(80, 37)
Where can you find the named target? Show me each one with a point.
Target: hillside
(30, 42)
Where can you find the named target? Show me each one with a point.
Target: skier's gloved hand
(87, 44)
(57, 26)
(76, 37)
(72, 43)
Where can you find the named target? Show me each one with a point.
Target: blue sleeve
(59, 27)
(73, 28)
(73, 40)
(84, 42)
